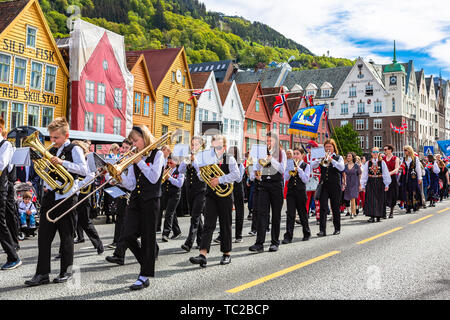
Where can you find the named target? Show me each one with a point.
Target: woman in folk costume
(410, 179)
(432, 171)
(375, 181)
(393, 164)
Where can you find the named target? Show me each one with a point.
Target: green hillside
(207, 36)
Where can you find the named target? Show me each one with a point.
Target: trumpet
(213, 171)
(115, 170)
(166, 175)
(294, 172)
(327, 160)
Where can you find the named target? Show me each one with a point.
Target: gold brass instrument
(115, 170)
(213, 171)
(86, 189)
(294, 172)
(265, 162)
(327, 160)
(62, 180)
(166, 175)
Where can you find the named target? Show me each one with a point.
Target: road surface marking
(443, 210)
(379, 235)
(418, 220)
(281, 272)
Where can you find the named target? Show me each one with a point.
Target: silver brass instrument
(213, 171)
(56, 176)
(115, 170)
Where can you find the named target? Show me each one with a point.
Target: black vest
(4, 175)
(192, 182)
(144, 189)
(295, 183)
(330, 174)
(226, 170)
(168, 187)
(269, 174)
(66, 154)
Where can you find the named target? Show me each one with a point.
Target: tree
(347, 140)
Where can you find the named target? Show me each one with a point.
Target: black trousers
(84, 223)
(47, 232)
(332, 192)
(270, 196)
(119, 226)
(12, 219)
(296, 202)
(169, 203)
(221, 208)
(254, 199)
(6, 239)
(196, 205)
(140, 221)
(238, 200)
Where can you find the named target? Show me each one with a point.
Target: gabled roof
(428, 84)
(268, 77)
(199, 79)
(335, 76)
(9, 10)
(220, 68)
(224, 89)
(132, 62)
(246, 91)
(158, 62)
(419, 78)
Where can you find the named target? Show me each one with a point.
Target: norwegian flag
(392, 126)
(279, 102)
(197, 93)
(404, 125)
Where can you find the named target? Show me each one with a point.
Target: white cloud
(334, 25)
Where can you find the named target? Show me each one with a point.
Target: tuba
(213, 171)
(56, 176)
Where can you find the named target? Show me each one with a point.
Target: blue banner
(444, 146)
(306, 120)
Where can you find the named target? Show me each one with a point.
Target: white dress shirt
(340, 165)
(303, 174)
(279, 166)
(178, 181)
(6, 153)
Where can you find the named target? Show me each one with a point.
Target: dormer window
(326, 93)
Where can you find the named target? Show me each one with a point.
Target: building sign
(19, 48)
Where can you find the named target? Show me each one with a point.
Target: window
(33, 116)
(225, 125)
(31, 37)
(369, 90)
(311, 93)
(166, 101)
(344, 122)
(257, 105)
(361, 107)
(4, 110)
(164, 129)
(47, 116)
(5, 67)
(187, 116)
(281, 112)
(275, 127)
(180, 110)
(101, 94)
(117, 125)
(20, 71)
(249, 126)
(232, 127)
(16, 115)
(173, 77)
(50, 78)
(89, 121)
(232, 103)
(352, 91)
(90, 91)
(359, 124)
(105, 65)
(393, 104)
(377, 141)
(344, 108)
(184, 81)
(146, 105)
(100, 123)
(36, 76)
(377, 107)
(214, 116)
(137, 103)
(326, 93)
(237, 127)
(200, 114)
(205, 115)
(378, 124)
(209, 95)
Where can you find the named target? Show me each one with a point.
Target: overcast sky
(352, 28)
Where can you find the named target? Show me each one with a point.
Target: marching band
(151, 176)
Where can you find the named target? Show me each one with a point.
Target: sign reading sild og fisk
(33, 75)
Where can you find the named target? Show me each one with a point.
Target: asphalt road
(397, 259)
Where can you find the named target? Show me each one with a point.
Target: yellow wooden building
(144, 97)
(33, 75)
(169, 72)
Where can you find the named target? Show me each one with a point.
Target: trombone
(115, 170)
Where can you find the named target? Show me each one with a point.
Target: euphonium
(56, 176)
(213, 171)
(87, 189)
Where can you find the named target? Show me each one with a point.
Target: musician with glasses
(71, 157)
(217, 206)
(331, 169)
(375, 181)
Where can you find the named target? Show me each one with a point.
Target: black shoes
(114, 259)
(273, 248)
(165, 238)
(78, 240)
(371, 220)
(185, 247)
(100, 249)
(256, 248)
(37, 280)
(286, 241)
(336, 232)
(175, 236)
(226, 259)
(141, 285)
(321, 234)
(306, 238)
(201, 260)
(63, 277)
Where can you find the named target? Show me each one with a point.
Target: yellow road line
(443, 210)
(281, 272)
(418, 220)
(379, 235)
